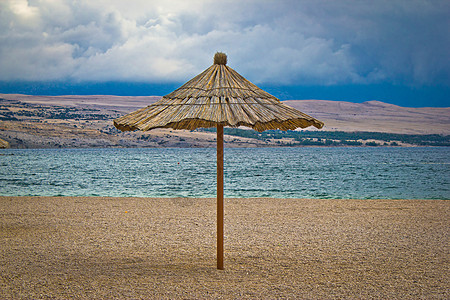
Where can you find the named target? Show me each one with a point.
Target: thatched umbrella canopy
(217, 97)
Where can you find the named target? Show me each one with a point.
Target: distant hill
(376, 116)
(86, 121)
(121, 103)
(372, 116)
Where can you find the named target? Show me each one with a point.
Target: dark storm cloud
(280, 42)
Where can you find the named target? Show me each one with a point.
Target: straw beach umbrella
(217, 97)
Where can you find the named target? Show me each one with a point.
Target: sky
(396, 51)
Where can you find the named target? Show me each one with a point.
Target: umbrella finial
(220, 58)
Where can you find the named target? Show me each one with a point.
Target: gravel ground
(147, 248)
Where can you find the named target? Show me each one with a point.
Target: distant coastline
(86, 122)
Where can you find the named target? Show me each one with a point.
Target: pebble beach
(165, 248)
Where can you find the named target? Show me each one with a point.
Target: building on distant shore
(3, 144)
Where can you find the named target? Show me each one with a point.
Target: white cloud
(284, 42)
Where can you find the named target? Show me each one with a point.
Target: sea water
(341, 173)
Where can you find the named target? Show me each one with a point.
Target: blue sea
(339, 173)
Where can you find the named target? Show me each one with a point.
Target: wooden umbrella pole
(220, 197)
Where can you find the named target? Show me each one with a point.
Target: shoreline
(114, 247)
(232, 197)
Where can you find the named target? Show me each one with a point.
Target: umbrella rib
(215, 88)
